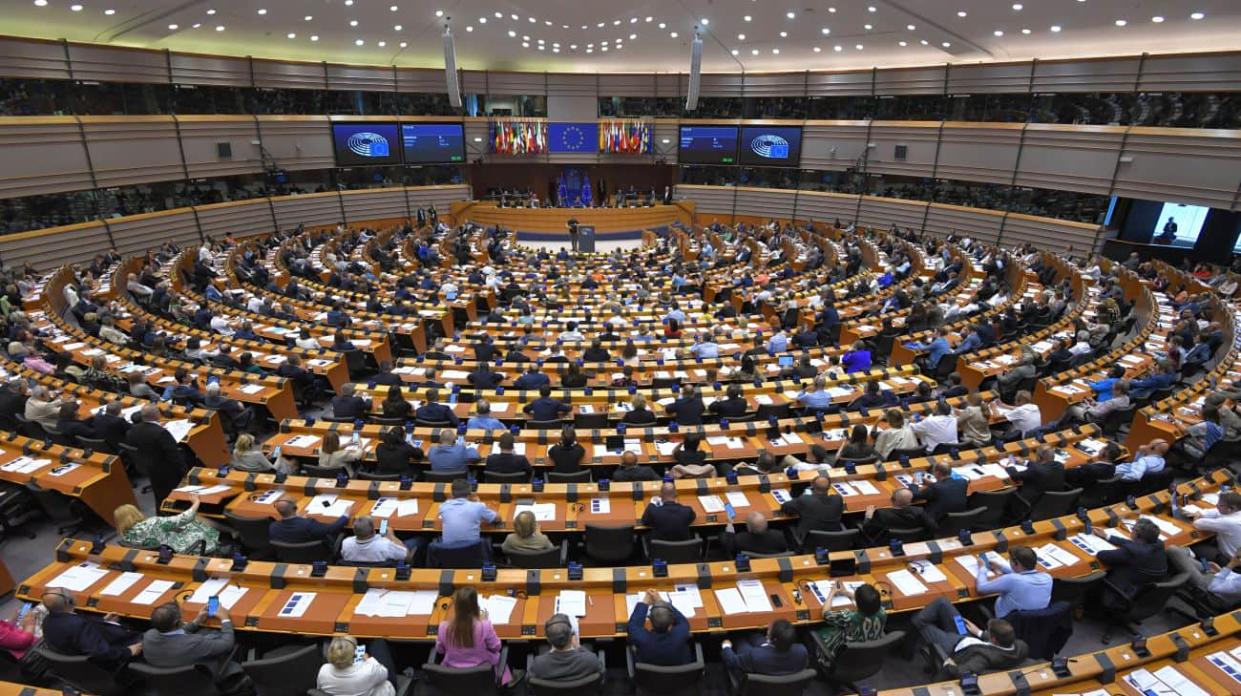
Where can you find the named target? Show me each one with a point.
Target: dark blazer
(485, 379)
(349, 407)
(508, 463)
(106, 644)
(111, 428)
(687, 411)
(395, 460)
(639, 472)
(1037, 479)
(641, 416)
(211, 648)
(297, 530)
(815, 512)
(669, 521)
(770, 541)
(532, 380)
(729, 408)
(1134, 565)
(396, 409)
(763, 658)
(668, 649)
(567, 460)
(897, 518)
(943, 497)
(545, 409)
(387, 379)
(436, 412)
(158, 450)
(979, 659)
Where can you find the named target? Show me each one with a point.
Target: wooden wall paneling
(833, 145)
(1050, 234)
(764, 202)
(50, 248)
(33, 59)
(137, 233)
(133, 149)
(1077, 158)
(200, 140)
(897, 81)
(373, 204)
(420, 80)
(279, 74)
(219, 71)
(920, 139)
(298, 142)
(442, 197)
(976, 223)
(854, 83)
(117, 64)
(238, 218)
(826, 206)
(968, 152)
(1197, 166)
(42, 154)
(1086, 75)
(989, 78)
(372, 78)
(307, 209)
(1215, 72)
(882, 213)
(775, 84)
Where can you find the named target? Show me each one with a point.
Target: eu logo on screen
(366, 144)
(770, 146)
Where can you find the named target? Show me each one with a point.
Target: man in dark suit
(1041, 475)
(902, 515)
(159, 452)
(485, 378)
(945, 495)
(291, 528)
(820, 510)
(347, 405)
(596, 352)
(505, 461)
(667, 641)
(985, 651)
(172, 643)
(239, 415)
(532, 379)
(757, 537)
(1135, 563)
(545, 408)
(386, 376)
(13, 401)
(776, 653)
(688, 409)
(110, 425)
(107, 643)
(434, 411)
(630, 470)
(732, 406)
(668, 519)
(69, 425)
(485, 349)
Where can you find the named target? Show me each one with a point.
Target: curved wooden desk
(556, 219)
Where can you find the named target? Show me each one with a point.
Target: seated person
(858, 448)
(170, 642)
(451, 455)
(545, 408)
(1021, 586)
(526, 535)
(1221, 586)
(775, 653)
(937, 429)
(394, 404)
(947, 493)
(733, 405)
(482, 418)
(567, 660)
(467, 639)
(691, 461)
(1134, 564)
(184, 532)
(294, 529)
(667, 641)
(871, 397)
(977, 651)
(393, 455)
(344, 675)
(639, 414)
(865, 622)
(1148, 460)
(365, 546)
(1093, 411)
(758, 538)
(897, 436)
(567, 454)
(902, 515)
(666, 518)
(347, 405)
(630, 470)
(434, 412)
(505, 461)
(106, 642)
(1024, 415)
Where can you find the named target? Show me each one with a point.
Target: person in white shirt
(1024, 415)
(109, 332)
(1224, 521)
(221, 325)
(571, 333)
(1082, 347)
(307, 342)
(205, 255)
(1148, 460)
(254, 304)
(345, 675)
(365, 546)
(1222, 584)
(938, 429)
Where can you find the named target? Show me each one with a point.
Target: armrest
(603, 660)
(564, 553)
(503, 663)
(629, 660)
(698, 659)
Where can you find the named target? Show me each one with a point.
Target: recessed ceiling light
(572, 47)
(858, 47)
(1017, 7)
(902, 44)
(632, 37)
(210, 12)
(262, 11)
(784, 35)
(1197, 15)
(997, 32)
(910, 27)
(825, 31)
(663, 26)
(220, 28)
(291, 35)
(314, 37)
(924, 42)
(1156, 19)
(439, 13)
(525, 44)
(404, 44)
(1121, 22)
(196, 25)
(397, 27)
(557, 50)
(590, 50)
(532, 20)
(383, 43)
(962, 13)
(601, 48)
(832, 10)
(871, 9)
(868, 27)
(1055, 28)
(359, 42)
(482, 20)
(616, 22)
(353, 22)
(748, 18)
(40, 3)
(704, 21)
(838, 49)
(790, 15)
(469, 28)
(633, 20)
(512, 33)
(525, 38)
(308, 17)
(775, 51)
(172, 27)
(818, 49)
(348, 3)
(754, 51)
(76, 8)
(499, 15)
(109, 12)
(673, 34)
(735, 51)
(548, 22)
(741, 37)
(946, 44)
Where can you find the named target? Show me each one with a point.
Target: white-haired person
(347, 674)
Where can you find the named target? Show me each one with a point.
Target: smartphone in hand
(213, 605)
(961, 627)
(359, 653)
(383, 527)
(730, 511)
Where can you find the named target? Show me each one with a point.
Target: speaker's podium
(586, 239)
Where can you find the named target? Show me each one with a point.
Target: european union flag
(573, 137)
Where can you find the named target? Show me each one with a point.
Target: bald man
(105, 642)
(1148, 460)
(758, 538)
(902, 515)
(668, 519)
(158, 450)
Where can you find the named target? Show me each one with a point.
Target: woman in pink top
(467, 639)
(17, 638)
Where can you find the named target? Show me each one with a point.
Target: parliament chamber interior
(362, 348)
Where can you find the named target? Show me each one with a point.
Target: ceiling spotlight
(902, 44)
(525, 44)
(262, 11)
(790, 15)
(946, 44)
(210, 12)
(1157, 19)
(858, 47)
(1025, 31)
(359, 42)
(383, 43)
(631, 37)
(962, 13)
(439, 13)
(838, 49)
(512, 34)
(314, 37)
(784, 35)
(741, 37)
(1055, 28)
(818, 49)
(748, 18)
(910, 27)
(499, 15)
(735, 51)
(291, 35)
(673, 34)
(1121, 22)
(482, 20)
(871, 9)
(649, 19)
(1197, 15)
(397, 27)
(308, 17)
(353, 22)
(40, 3)
(775, 51)
(1017, 7)
(404, 44)
(590, 50)
(76, 8)
(704, 21)
(825, 31)
(348, 3)
(470, 28)
(220, 28)
(754, 51)
(196, 25)
(572, 47)
(924, 42)
(633, 20)
(172, 27)
(663, 26)
(997, 32)
(868, 27)
(109, 12)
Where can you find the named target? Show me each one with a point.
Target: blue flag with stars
(573, 137)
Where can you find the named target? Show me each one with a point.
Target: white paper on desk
(754, 594)
(1091, 544)
(218, 488)
(123, 582)
(63, 469)
(297, 604)
(270, 496)
(717, 440)
(303, 441)
(711, 503)
(252, 388)
(208, 589)
(179, 428)
(666, 401)
(79, 577)
(408, 506)
(321, 501)
(763, 399)
(422, 602)
(907, 583)
(928, 571)
(336, 509)
(666, 448)
(994, 470)
(499, 608)
(730, 601)
(231, 594)
(1055, 553)
(969, 562)
(384, 507)
(782, 496)
(683, 602)
(601, 506)
(1222, 659)
(737, 499)
(1165, 527)
(25, 465)
(865, 487)
(543, 512)
(844, 489)
(571, 602)
(73, 346)
(151, 593)
(455, 374)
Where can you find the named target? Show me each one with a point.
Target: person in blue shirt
(462, 516)
(857, 359)
(1021, 587)
(936, 349)
(705, 348)
(778, 343)
(434, 411)
(482, 418)
(545, 408)
(970, 342)
(666, 642)
(1164, 378)
(1148, 460)
(532, 379)
(450, 455)
(1103, 387)
(776, 653)
(336, 317)
(817, 400)
(675, 313)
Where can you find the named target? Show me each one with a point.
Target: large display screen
(573, 137)
(1179, 225)
(708, 145)
(365, 143)
(771, 146)
(433, 143)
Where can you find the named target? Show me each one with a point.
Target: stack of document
(297, 605)
(1051, 556)
(218, 587)
(179, 428)
(571, 602)
(543, 512)
(1091, 544)
(737, 499)
(329, 504)
(905, 582)
(711, 503)
(303, 441)
(79, 577)
(397, 604)
(25, 465)
(499, 608)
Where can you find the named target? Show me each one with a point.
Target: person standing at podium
(572, 225)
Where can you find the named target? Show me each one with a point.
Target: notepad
(737, 499)
(79, 577)
(711, 503)
(928, 571)
(571, 602)
(754, 594)
(297, 604)
(151, 593)
(600, 506)
(730, 601)
(179, 429)
(25, 465)
(499, 608)
(905, 581)
(543, 512)
(781, 496)
(1091, 544)
(303, 441)
(123, 582)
